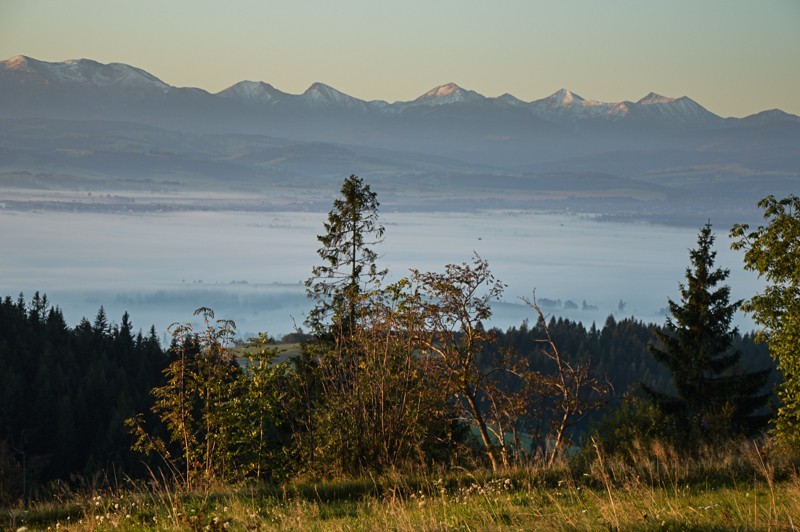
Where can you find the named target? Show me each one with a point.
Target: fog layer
(249, 266)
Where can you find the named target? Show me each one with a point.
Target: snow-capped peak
(86, 72)
(442, 91)
(655, 98)
(319, 94)
(253, 92)
(18, 62)
(510, 99)
(564, 98)
(675, 111)
(448, 93)
(565, 105)
(320, 91)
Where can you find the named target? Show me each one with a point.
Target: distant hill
(657, 148)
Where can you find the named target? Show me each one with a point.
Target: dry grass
(651, 489)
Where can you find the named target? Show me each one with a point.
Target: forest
(399, 378)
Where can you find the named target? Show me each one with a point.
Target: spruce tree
(328, 367)
(715, 396)
(348, 265)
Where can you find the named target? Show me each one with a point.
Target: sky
(735, 57)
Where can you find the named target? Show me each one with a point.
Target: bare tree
(576, 392)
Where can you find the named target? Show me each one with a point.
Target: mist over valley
(117, 189)
(250, 266)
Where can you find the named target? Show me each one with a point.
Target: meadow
(651, 488)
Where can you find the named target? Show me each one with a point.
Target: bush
(637, 423)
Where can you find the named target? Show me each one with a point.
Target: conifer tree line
(397, 375)
(65, 393)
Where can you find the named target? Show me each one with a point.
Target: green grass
(652, 492)
(476, 506)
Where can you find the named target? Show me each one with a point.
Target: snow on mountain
(86, 80)
(446, 94)
(655, 98)
(84, 72)
(509, 99)
(564, 98)
(20, 63)
(254, 92)
(321, 95)
(566, 106)
(618, 111)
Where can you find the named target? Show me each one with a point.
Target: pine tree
(715, 396)
(348, 259)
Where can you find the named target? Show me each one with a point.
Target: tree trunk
(484, 432)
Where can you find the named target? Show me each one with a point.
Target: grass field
(645, 493)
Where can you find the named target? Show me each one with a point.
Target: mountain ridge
(654, 136)
(563, 106)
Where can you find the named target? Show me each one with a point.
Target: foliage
(403, 377)
(773, 250)
(379, 404)
(193, 400)
(66, 391)
(12, 476)
(714, 396)
(494, 398)
(351, 230)
(635, 424)
(256, 415)
(217, 416)
(268, 434)
(364, 397)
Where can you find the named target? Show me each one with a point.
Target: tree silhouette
(714, 395)
(351, 230)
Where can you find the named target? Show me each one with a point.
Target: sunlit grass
(477, 506)
(655, 491)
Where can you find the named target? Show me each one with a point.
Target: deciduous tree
(571, 389)
(452, 307)
(773, 250)
(194, 403)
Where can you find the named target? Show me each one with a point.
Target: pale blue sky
(735, 57)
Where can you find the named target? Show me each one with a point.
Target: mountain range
(25, 81)
(49, 112)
